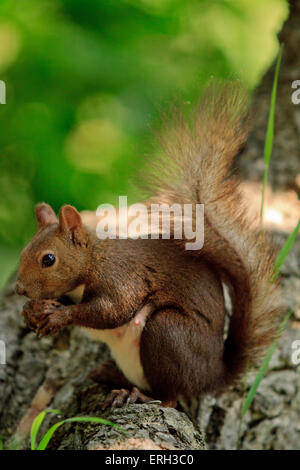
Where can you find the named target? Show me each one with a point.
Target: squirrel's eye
(48, 260)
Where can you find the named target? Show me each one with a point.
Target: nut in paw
(46, 317)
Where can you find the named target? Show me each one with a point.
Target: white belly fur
(124, 342)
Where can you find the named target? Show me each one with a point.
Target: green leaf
(1, 443)
(263, 368)
(81, 419)
(37, 424)
(270, 134)
(285, 251)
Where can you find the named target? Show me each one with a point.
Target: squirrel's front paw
(46, 317)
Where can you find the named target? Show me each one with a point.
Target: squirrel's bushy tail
(196, 168)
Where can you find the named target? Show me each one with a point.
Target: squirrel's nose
(20, 290)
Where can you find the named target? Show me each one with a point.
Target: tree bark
(285, 160)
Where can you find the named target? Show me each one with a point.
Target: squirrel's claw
(123, 397)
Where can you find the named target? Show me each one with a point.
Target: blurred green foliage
(87, 79)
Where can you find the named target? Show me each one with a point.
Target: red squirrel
(158, 306)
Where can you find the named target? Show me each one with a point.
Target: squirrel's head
(55, 261)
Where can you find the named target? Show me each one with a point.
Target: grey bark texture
(285, 161)
(52, 372)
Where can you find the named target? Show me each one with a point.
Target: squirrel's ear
(69, 218)
(70, 222)
(45, 215)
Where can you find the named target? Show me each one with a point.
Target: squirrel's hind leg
(179, 354)
(109, 373)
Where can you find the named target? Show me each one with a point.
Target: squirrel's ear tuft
(70, 222)
(45, 215)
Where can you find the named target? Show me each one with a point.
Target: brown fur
(182, 349)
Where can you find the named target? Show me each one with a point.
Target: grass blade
(37, 424)
(1, 443)
(258, 378)
(285, 251)
(263, 368)
(270, 134)
(80, 419)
